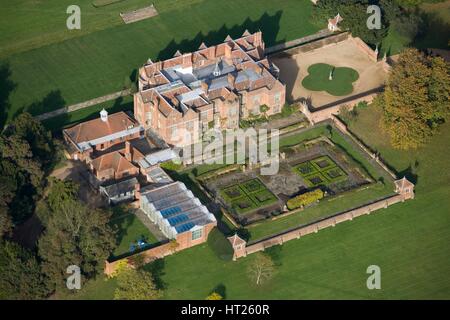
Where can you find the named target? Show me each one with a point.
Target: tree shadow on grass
(157, 270)
(51, 102)
(409, 173)
(7, 86)
(220, 289)
(434, 32)
(268, 24)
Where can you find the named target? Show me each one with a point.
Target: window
(197, 234)
(277, 98)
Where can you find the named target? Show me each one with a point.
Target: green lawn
(98, 63)
(30, 24)
(70, 119)
(340, 84)
(130, 230)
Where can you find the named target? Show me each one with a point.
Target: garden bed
(247, 196)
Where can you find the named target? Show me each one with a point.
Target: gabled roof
(122, 187)
(236, 240)
(335, 20)
(114, 160)
(403, 183)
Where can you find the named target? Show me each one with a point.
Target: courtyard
(297, 66)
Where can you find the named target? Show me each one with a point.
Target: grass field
(98, 63)
(409, 242)
(130, 230)
(341, 83)
(30, 24)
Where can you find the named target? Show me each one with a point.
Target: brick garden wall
(319, 225)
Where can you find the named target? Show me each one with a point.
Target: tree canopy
(416, 99)
(136, 284)
(21, 276)
(74, 233)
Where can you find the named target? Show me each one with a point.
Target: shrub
(305, 199)
(220, 245)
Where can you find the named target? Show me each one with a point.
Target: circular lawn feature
(341, 83)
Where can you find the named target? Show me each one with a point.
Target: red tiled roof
(114, 160)
(97, 128)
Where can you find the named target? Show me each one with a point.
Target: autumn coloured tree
(416, 99)
(136, 284)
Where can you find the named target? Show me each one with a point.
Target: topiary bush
(220, 245)
(304, 199)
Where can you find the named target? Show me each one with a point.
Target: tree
(74, 234)
(26, 150)
(21, 276)
(263, 109)
(5, 222)
(135, 284)
(214, 296)
(261, 268)
(416, 99)
(173, 245)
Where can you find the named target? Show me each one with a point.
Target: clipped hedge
(220, 245)
(304, 199)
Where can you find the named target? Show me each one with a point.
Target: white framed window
(197, 234)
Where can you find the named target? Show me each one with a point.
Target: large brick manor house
(212, 87)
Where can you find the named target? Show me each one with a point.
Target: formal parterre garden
(248, 196)
(320, 171)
